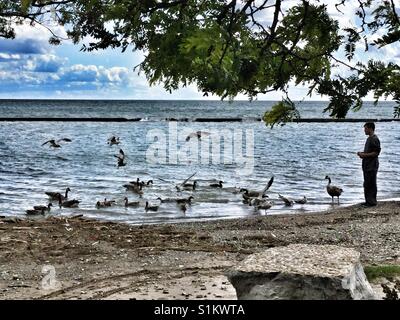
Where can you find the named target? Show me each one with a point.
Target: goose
(333, 191)
(43, 208)
(56, 144)
(190, 186)
(178, 187)
(166, 200)
(57, 195)
(32, 212)
(121, 158)
(137, 182)
(100, 205)
(185, 200)
(68, 203)
(301, 201)
(260, 196)
(151, 207)
(217, 185)
(108, 203)
(131, 204)
(138, 189)
(113, 140)
(287, 201)
(197, 134)
(264, 206)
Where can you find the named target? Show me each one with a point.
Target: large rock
(302, 271)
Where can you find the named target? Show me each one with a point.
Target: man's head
(369, 128)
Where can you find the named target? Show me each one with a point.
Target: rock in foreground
(302, 271)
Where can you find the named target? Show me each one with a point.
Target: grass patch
(385, 271)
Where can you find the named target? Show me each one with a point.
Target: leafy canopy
(231, 47)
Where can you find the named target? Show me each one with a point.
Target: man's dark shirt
(371, 145)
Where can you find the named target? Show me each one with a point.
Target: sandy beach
(79, 258)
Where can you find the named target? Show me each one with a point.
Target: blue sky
(31, 68)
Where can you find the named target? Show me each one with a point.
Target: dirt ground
(79, 258)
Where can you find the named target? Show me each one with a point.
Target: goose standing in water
(131, 204)
(56, 144)
(183, 207)
(138, 189)
(57, 195)
(149, 207)
(264, 206)
(333, 191)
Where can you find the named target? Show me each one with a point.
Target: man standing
(370, 164)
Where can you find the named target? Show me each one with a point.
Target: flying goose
(113, 140)
(301, 201)
(287, 201)
(217, 185)
(57, 195)
(151, 207)
(197, 134)
(333, 191)
(121, 158)
(131, 204)
(43, 208)
(56, 144)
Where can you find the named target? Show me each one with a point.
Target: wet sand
(80, 258)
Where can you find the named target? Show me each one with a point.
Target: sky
(31, 68)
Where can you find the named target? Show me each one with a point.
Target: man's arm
(367, 154)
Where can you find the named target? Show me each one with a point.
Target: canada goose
(43, 208)
(259, 196)
(197, 134)
(178, 187)
(131, 204)
(55, 144)
(333, 191)
(287, 201)
(166, 200)
(301, 201)
(252, 194)
(100, 205)
(32, 212)
(137, 182)
(56, 195)
(151, 207)
(113, 140)
(185, 200)
(216, 185)
(190, 186)
(264, 206)
(108, 203)
(121, 158)
(68, 203)
(138, 189)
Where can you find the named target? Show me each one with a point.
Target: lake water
(299, 156)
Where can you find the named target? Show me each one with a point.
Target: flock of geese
(257, 199)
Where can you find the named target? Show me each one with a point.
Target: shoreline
(82, 258)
